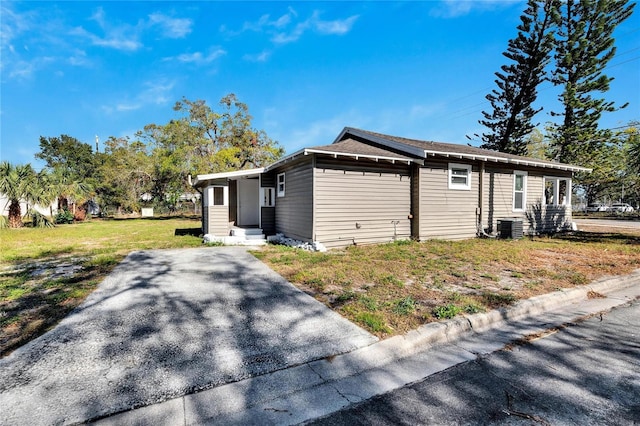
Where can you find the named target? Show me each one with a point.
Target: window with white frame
(557, 191)
(281, 185)
(267, 197)
(459, 176)
(217, 196)
(519, 191)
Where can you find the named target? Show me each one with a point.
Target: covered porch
(232, 206)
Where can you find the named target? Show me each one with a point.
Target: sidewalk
(318, 388)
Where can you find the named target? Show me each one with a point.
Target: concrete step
(241, 232)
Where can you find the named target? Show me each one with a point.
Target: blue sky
(306, 69)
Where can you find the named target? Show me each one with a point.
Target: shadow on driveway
(165, 324)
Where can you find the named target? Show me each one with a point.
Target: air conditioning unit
(510, 228)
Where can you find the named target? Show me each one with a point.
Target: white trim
(335, 154)
(265, 199)
(209, 197)
(223, 175)
(519, 161)
(459, 186)
(524, 191)
(556, 191)
(278, 183)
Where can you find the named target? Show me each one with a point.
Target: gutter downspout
(480, 232)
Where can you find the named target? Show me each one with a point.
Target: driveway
(166, 323)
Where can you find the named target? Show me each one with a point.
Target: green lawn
(392, 288)
(45, 273)
(388, 289)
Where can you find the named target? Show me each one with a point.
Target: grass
(393, 288)
(46, 273)
(388, 289)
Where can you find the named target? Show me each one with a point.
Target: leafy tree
(202, 141)
(66, 152)
(584, 46)
(126, 174)
(510, 120)
(537, 145)
(16, 183)
(71, 191)
(227, 139)
(633, 147)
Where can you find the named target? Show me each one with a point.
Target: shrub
(38, 220)
(405, 306)
(446, 312)
(63, 217)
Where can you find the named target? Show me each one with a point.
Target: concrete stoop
(241, 237)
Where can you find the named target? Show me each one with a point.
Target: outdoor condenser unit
(510, 228)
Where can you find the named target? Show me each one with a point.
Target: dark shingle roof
(354, 147)
(423, 149)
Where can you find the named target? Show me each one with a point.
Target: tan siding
(498, 197)
(498, 202)
(294, 211)
(446, 213)
(360, 205)
(218, 220)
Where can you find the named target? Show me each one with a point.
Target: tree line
(152, 167)
(569, 44)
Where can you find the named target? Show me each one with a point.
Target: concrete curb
(320, 387)
(397, 347)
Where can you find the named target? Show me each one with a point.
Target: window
(267, 197)
(557, 191)
(459, 176)
(519, 190)
(281, 185)
(217, 196)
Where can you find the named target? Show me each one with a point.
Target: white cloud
(79, 58)
(259, 57)
(456, 8)
(338, 26)
(120, 38)
(172, 27)
(284, 29)
(152, 93)
(198, 58)
(334, 27)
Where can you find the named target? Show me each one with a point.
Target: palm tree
(16, 183)
(68, 189)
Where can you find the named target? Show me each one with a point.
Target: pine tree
(511, 119)
(584, 46)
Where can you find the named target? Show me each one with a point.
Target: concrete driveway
(166, 323)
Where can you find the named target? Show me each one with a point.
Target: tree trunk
(15, 215)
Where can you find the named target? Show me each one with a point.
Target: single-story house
(369, 187)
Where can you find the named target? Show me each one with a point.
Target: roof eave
(373, 157)
(518, 161)
(201, 179)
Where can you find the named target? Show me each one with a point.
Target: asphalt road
(163, 324)
(585, 374)
(608, 223)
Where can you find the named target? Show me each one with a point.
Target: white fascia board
(523, 162)
(223, 175)
(357, 156)
(284, 160)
